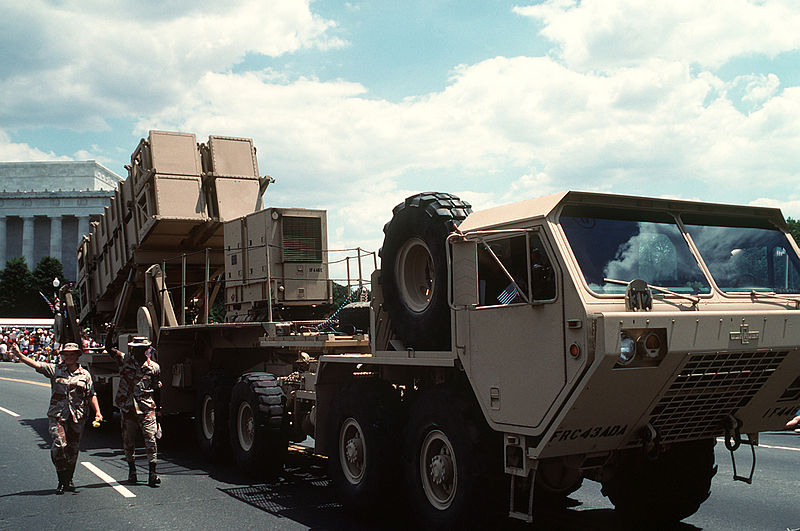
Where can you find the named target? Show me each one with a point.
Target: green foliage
(16, 290)
(19, 288)
(46, 270)
(340, 295)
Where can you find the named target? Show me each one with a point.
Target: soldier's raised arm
(109, 345)
(30, 362)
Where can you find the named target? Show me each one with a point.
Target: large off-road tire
(554, 482)
(258, 424)
(211, 414)
(365, 462)
(414, 268)
(666, 490)
(453, 462)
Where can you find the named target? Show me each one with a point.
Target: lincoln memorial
(46, 207)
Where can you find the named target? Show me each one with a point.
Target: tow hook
(651, 442)
(733, 440)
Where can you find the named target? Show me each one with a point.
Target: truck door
(513, 337)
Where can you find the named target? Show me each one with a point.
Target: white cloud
(790, 207)
(639, 129)
(20, 152)
(76, 64)
(612, 33)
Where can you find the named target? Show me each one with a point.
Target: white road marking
(770, 446)
(108, 479)
(779, 447)
(4, 410)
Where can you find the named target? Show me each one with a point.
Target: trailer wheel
(258, 424)
(211, 414)
(453, 463)
(414, 268)
(366, 421)
(666, 490)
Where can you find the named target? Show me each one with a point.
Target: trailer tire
(666, 490)
(453, 462)
(258, 424)
(366, 423)
(414, 268)
(211, 415)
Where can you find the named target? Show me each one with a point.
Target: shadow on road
(302, 493)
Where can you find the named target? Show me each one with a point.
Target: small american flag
(49, 304)
(508, 295)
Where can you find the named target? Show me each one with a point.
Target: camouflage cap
(71, 347)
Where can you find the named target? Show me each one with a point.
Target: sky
(354, 106)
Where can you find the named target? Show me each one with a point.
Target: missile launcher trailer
(512, 352)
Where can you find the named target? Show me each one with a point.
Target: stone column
(55, 238)
(27, 241)
(83, 228)
(3, 220)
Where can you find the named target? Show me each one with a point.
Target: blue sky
(355, 105)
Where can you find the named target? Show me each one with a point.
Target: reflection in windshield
(625, 245)
(747, 258)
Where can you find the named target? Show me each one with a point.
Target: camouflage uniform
(69, 401)
(135, 401)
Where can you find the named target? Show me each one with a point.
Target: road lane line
(108, 479)
(25, 381)
(4, 410)
(779, 447)
(770, 446)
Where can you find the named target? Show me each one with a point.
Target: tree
(46, 270)
(16, 286)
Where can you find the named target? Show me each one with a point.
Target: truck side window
(494, 286)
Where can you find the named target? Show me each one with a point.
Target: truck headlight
(627, 349)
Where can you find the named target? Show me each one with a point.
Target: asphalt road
(199, 495)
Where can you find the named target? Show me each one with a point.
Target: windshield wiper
(773, 296)
(694, 300)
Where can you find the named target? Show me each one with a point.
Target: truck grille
(302, 239)
(708, 389)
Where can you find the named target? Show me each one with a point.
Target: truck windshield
(626, 244)
(745, 255)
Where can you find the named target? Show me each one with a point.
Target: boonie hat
(71, 347)
(139, 341)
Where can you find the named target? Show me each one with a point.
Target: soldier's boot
(69, 486)
(61, 482)
(153, 480)
(132, 479)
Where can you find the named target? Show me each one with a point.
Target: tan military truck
(512, 352)
(578, 335)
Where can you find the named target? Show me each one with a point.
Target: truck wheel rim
(415, 277)
(437, 467)
(245, 424)
(207, 417)
(352, 451)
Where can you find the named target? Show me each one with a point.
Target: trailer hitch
(733, 440)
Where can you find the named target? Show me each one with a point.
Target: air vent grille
(708, 389)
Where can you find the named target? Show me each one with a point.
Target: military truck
(512, 353)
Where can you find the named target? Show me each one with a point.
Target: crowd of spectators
(36, 343)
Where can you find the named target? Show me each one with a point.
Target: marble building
(46, 207)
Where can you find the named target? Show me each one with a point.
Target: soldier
(72, 390)
(137, 399)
